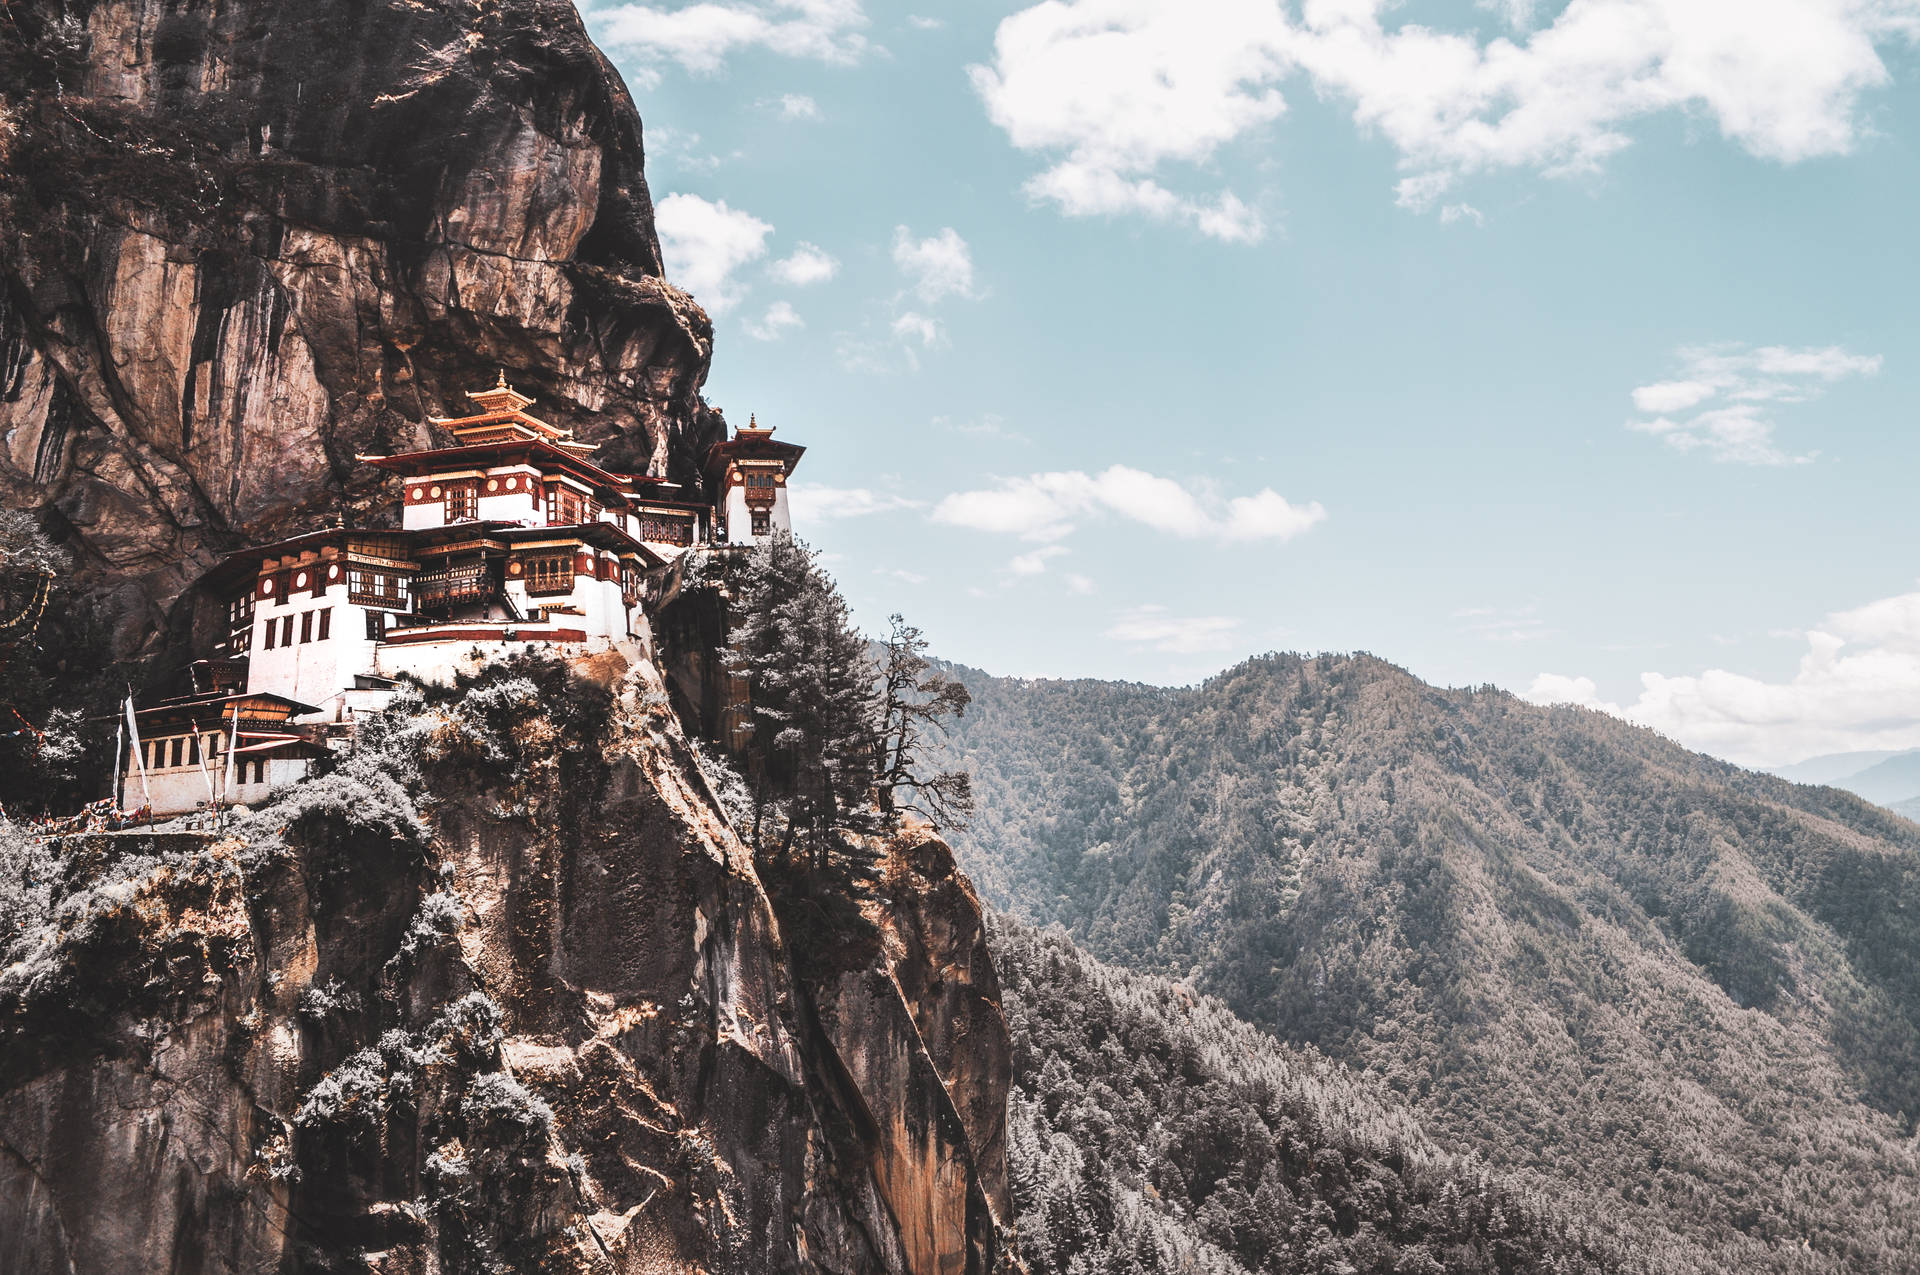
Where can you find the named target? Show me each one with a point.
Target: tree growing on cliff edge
(811, 759)
(915, 697)
(836, 741)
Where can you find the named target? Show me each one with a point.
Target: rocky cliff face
(503, 993)
(244, 242)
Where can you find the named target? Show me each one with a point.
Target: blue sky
(1568, 348)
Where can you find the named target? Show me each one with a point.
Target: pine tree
(913, 697)
(811, 759)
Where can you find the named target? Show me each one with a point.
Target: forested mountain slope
(1575, 947)
(1150, 1130)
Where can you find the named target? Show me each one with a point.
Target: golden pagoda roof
(503, 417)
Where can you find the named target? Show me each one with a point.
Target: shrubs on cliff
(28, 868)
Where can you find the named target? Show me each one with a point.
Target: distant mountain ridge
(1576, 948)
(1884, 777)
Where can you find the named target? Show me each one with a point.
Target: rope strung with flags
(24, 623)
(28, 728)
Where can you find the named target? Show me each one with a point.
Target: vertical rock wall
(243, 242)
(555, 1027)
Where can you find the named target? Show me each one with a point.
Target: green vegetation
(811, 761)
(1150, 1130)
(1687, 992)
(831, 741)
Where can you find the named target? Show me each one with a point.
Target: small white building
(748, 477)
(222, 748)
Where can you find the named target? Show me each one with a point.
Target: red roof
(415, 464)
(752, 444)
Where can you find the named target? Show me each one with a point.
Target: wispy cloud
(1721, 401)
(700, 37)
(933, 270)
(936, 267)
(807, 264)
(1156, 627)
(912, 327)
(798, 106)
(986, 425)
(1045, 507)
(780, 319)
(814, 503)
(1035, 562)
(1504, 624)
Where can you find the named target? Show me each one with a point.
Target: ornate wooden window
(565, 506)
(463, 501)
(761, 486)
(470, 582)
(762, 521)
(326, 623)
(385, 589)
(667, 529)
(306, 627)
(550, 573)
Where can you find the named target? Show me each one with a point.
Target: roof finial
(753, 421)
(501, 384)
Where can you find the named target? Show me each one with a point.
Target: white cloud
(780, 319)
(1727, 384)
(701, 36)
(901, 574)
(1116, 92)
(805, 265)
(911, 327)
(936, 267)
(1077, 583)
(1180, 635)
(814, 503)
(1461, 212)
(1035, 563)
(1044, 506)
(1119, 88)
(798, 106)
(921, 23)
(705, 243)
(1556, 688)
(1856, 687)
(1672, 396)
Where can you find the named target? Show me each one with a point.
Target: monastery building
(510, 537)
